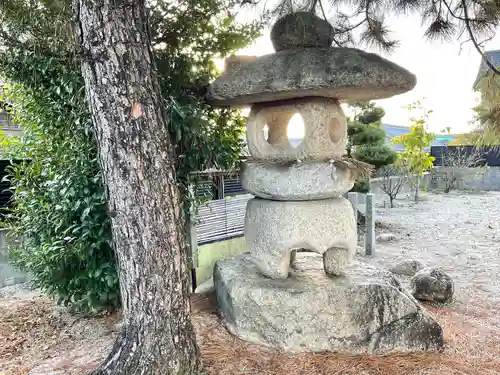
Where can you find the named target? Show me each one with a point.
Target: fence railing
(221, 219)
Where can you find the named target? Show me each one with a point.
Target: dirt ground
(457, 232)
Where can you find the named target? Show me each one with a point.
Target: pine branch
(473, 39)
(447, 18)
(313, 6)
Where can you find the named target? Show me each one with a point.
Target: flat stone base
(365, 311)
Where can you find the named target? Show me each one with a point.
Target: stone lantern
(328, 300)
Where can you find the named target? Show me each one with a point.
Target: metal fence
(223, 216)
(7, 127)
(489, 156)
(218, 184)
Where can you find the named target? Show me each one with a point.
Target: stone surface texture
(432, 284)
(235, 61)
(364, 312)
(325, 130)
(408, 267)
(386, 237)
(274, 228)
(304, 181)
(272, 296)
(339, 73)
(301, 30)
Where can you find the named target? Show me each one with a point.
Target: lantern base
(364, 312)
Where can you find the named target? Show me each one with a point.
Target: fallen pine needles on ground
(34, 334)
(471, 349)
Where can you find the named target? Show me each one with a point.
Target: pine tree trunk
(137, 161)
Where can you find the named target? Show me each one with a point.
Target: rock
(325, 130)
(301, 30)
(364, 312)
(408, 267)
(432, 284)
(305, 181)
(205, 287)
(386, 237)
(339, 73)
(273, 229)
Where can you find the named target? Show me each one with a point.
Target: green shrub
(59, 198)
(367, 140)
(361, 186)
(59, 201)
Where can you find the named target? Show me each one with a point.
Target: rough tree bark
(137, 161)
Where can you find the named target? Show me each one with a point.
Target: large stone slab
(304, 181)
(273, 229)
(340, 73)
(365, 311)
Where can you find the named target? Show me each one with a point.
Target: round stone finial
(301, 30)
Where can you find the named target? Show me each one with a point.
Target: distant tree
(460, 165)
(414, 157)
(392, 180)
(446, 130)
(367, 139)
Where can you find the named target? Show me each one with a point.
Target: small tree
(392, 179)
(457, 162)
(367, 139)
(414, 157)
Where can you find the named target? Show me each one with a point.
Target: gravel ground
(459, 232)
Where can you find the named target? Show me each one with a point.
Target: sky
(445, 74)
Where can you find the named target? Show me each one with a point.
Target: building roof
(395, 130)
(494, 58)
(392, 131)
